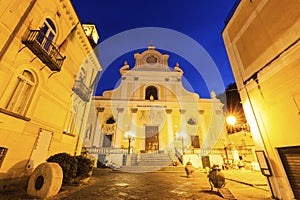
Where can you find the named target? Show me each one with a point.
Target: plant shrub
(68, 164)
(85, 165)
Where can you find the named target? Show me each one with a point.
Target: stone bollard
(189, 169)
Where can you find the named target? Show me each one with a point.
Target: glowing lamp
(231, 120)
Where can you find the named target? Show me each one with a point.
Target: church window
(151, 93)
(110, 120)
(192, 121)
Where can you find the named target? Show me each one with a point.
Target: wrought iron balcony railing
(44, 49)
(82, 90)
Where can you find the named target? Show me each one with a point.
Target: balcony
(44, 49)
(82, 90)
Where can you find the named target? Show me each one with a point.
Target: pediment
(151, 60)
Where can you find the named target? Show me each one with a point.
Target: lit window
(23, 92)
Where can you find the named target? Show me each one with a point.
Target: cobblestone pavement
(111, 185)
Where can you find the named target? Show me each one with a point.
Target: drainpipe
(16, 29)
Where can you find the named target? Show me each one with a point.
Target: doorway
(107, 140)
(151, 140)
(40, 149)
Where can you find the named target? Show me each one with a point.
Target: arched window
(47, 34)
(23, 92)
(151, 93)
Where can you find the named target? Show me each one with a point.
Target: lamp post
(231, 122)
(129, 141)
(130, 136)
(237, 132)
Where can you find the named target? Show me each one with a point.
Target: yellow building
(151, 112)
(47, 68)
(262, 41)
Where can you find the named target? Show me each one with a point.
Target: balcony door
(47, 34)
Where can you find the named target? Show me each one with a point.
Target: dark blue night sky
(201, 20)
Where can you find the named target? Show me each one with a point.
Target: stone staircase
(147, 162)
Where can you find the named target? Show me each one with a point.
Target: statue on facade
(213, 95)
(178, 69)
(124, 69)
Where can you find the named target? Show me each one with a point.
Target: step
(173, 169)
(153, 163)
(160, 160)
(139, 169)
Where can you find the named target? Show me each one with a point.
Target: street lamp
(231, 120)
(130, 136)
(233, 126)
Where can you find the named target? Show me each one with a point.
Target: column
(133, 124)
(119, 127)
(202, 124)
(97, 128)
(170, 127)
(183, 130)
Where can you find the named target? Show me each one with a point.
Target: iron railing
(82, 90)
(110, 150)
(44, 49)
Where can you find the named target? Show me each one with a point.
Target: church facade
(151, 112)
